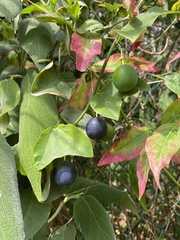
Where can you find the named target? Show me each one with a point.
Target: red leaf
(130, 145)
(115, 60)
(161, 147)
(86, 47)
(142, 172)
(142, 64)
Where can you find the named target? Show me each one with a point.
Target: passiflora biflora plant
(89, 118)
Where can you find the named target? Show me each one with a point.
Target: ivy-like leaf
(86, 47)
(161, 147)
(130, 146)
(142, 169)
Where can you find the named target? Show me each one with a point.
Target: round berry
(96, 128)
(65, 173)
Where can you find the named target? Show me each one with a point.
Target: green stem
(171, 177)
(66, 199)
(125, 118)
(98, 81)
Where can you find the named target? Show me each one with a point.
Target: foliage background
(40, 37)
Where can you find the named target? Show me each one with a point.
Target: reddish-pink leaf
(138, 41)
(142, 64)
(176, 157)
(142, 169)
(172, 60)
(130, 145)
(129, 5)
(86, 47)
(115, 60)
(80, 95)
(161, 147)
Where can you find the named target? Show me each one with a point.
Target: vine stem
(66, 199)
(125, 118)
(99, 80)
(171, 177)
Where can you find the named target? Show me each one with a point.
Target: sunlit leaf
(128, 147)
(36, 114)
(61, 141)
(86, 47)
(139, 23)
(172, 81)
(9, 95)
(107, 102)
(142, 172)
(10, 8)
(161, 147)
(89, 25)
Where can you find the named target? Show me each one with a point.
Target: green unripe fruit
(125, 78)
(109, 133)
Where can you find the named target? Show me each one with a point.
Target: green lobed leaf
(33, 219)
(63, 233)
(47, 82)
(11, 220)
(172, 113)
(97, 225)
(139, 23)
(161, 147)
(104, 193)
(9, 95)
(36, 114)
(61, 141)
(10, 8)
(172, 81)
(89, 25)
(107, 102)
